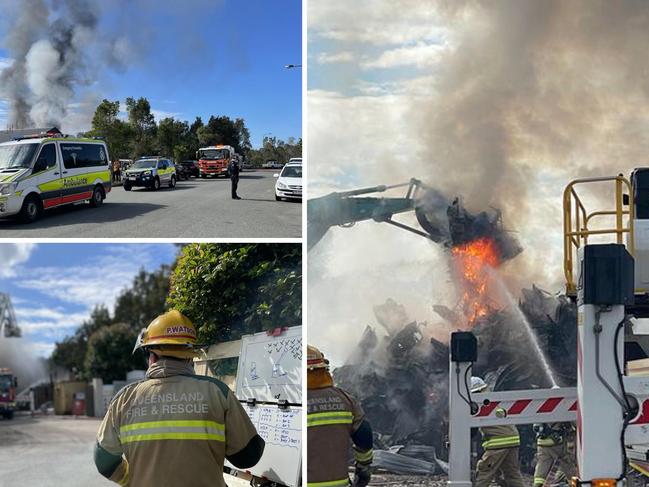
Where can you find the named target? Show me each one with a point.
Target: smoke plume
(54, 46)
(523, 97)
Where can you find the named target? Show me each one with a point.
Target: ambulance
(49, 170)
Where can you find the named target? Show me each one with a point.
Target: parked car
(289, 182)
(150, 172)
(191, 168)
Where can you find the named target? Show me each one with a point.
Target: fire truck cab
(8, 385)
(214, 160)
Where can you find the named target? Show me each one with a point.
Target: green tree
(71, 352)
(109, 353)
(117, 133)
(144, 300)
(224, 130)
(233, 289)
(143, 123)
(171, 134)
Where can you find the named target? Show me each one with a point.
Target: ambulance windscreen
(17, 155)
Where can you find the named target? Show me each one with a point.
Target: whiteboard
(270, 367)
(281, 429)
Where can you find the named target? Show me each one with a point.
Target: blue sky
(197, 58)
(54, 287)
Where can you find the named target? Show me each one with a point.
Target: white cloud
(386, 23)
(336, 57)
(12, 255)
(420, 55)
(160, 114)
(97, 282)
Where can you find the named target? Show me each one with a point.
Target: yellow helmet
(171, 334)
(315, 359)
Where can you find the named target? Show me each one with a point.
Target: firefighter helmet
(477, 384)
(315, 359)
(171, 334)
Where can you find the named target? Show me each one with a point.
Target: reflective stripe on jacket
(496, 437)
(174, 428)
(332, 417)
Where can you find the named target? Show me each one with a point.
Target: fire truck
(214, 160)
(8, 385)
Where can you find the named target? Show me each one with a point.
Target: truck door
(46, 175)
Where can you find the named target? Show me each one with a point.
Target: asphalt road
(197, 208)
(54, 451)
(48, 450)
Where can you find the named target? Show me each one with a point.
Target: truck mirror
(625, 199)
(41, 165)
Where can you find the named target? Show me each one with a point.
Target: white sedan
(289, 182)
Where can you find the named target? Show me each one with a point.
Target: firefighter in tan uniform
(554, 448)
(334, 421)
(500, 457)
(174, 427)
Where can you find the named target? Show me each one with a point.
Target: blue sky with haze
(197, 58)
(54, 287)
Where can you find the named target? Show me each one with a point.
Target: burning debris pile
(401, 377)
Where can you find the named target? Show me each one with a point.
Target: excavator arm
(349, 207)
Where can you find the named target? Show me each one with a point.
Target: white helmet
(477, 384)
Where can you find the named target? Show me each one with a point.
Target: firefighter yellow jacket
(175, 428)
(335, 420)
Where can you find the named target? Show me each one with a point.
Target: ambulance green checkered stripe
(330, 483)
(329, 417)
(502, 442)
(173, 430)
(539, 480)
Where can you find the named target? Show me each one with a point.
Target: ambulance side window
(80, 155)
(46, 159)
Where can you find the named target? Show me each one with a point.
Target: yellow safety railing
(576, 221)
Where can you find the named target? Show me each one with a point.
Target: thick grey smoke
(533, 94)
(50, 44)
(523, 97)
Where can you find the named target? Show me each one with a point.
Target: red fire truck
(8, 384)
(214, 160)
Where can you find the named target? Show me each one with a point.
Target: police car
(50, 169)
(150, 172)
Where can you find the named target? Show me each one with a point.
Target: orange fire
(473, 261)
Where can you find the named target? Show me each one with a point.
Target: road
(53, 451)
(198, 208)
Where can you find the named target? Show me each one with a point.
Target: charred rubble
(401, 377)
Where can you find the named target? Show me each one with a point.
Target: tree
(71, 352)
(117, 133)
(171, 134)
(143, 123)
(224, 130)
(109, 353)
(274, 149)
(228, 290)
(144, 300)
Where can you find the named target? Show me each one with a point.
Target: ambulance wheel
(97, 197)
(127, 187)
(32, 209)
(156, 184)
(277, 198)
(172, 183)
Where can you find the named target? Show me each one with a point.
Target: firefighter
(333, 419)
(554, 447)
(233, 169)
(500, 457)
(174, 427)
